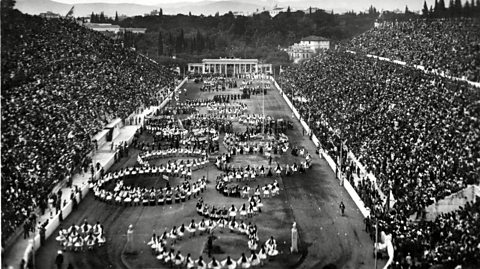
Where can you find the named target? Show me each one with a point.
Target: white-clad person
(262, 254)
(243, 262)
(214, 264)
(232, 212)
(252, 243)
(179, 259)
(271, 245)
(254, 259)
(189, 262)
(192, 227)
(228, 263)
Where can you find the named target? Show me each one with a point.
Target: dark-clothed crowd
(417, 133)
(61, 83)
(447, 45)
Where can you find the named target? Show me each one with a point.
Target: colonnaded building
(229, 66)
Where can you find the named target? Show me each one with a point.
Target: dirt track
(310, 199)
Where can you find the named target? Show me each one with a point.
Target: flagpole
(376, 239)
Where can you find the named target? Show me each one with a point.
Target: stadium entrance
(229, 67)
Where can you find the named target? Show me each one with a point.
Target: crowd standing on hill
(61, 83)
(451, 46)
(417, 133)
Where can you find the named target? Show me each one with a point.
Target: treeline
(258, 36)
(455, 9)
(101, 18)
(471, 8)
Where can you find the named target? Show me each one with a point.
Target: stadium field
(326, 238)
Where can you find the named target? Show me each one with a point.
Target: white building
(229, 67)
(50, 15)
(134, 30)
(103, 27)
(307, 48)
(315, 43)
(274, 11)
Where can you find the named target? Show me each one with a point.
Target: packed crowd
(417, 133)
(61, 83)
(448, 45)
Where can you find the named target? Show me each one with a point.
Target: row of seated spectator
(447, 45)
(61, 83)
(417, 133)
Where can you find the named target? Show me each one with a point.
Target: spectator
(447, 45)
(61, 83)
(417, 133)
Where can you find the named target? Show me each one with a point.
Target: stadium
(365, 154)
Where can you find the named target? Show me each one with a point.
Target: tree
(116, 16)
(190, 14)
(441, 6)
(180, 42)
(425, 9)
(200, 42)
(466, 9)
(458, 7)
(92, 17)
(161, 12)
(406, 10)
(160, 44)
(102, 17)
(7, 5)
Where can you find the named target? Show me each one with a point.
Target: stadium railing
(345, 183)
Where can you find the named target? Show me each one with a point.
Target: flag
(70, 13)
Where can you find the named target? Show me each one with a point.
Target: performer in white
(387, 244)
(130, 244)
(294, 247)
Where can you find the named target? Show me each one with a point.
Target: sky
(355, 5)
(387, 4)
